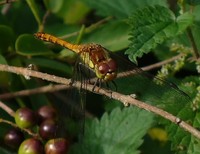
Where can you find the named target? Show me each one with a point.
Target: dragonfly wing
(145, 85)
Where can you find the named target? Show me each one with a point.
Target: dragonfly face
(93, 55)
(98, 59)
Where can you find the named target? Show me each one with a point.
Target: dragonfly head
(107, 70)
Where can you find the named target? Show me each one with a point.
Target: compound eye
(103, 68)
(112, 65)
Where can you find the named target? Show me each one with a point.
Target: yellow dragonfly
(93, 55)
(99, 60)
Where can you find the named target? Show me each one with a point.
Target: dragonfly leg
(95, 84)
(115, 85)
(109, 88)
(71, 81)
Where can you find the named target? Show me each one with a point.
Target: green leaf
(71, 11)
(196, 13)
(6, 39)
(183, 21)
(52, 65)
(121, 131)
(152, 26)
(194, 146)
(35, 10)
(68, 56)
(119, 8)
(182, 141)
(196, 34)
(113, 36)
(27, 45)
(54, 6)
(5, 77)
(2, 60)
(193, 2)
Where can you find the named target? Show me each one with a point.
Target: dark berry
(47, 129)
(31, 146)
(25, 118)
(46, 112)
(13, 138)
(57, 146)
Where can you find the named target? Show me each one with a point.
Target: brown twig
(53, 88)
(12, 114)
(89, 28)
(7, 2)
(149, 67)
(122, 98)
(24, 129)
(44, 89)
(160, 64)
(44, 19)
(86, 30)
(7, 109)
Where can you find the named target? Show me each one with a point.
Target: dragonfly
(98, 59)
(105, 67)
(93, 55)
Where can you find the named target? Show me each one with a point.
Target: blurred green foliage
(144, 30)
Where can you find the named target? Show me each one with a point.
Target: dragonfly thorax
(98, 59)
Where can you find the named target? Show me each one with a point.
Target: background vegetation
(162, 32)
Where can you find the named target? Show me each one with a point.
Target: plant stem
(88, 29)
(24, 129)
(7, 1)
(45, 18)
(53, 88)
(115, 95)
(192, 41)
(81, 32)
(7, 109)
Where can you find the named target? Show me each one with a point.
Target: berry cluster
(46, 121)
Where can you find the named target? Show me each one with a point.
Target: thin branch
(162, 113)
(7, 6)
(160, 64)
(44, 19)
(115, 95)
(40, 90)
(12, 114)
(7, 2)
(44, 89)
(150, 67)
(7, 109)
(53, 88)
(24, 129)
(86, 30)
(89, 28)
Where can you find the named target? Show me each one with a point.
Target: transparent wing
(72, 108)
(148, 88)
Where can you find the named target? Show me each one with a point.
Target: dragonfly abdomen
(50, 38)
